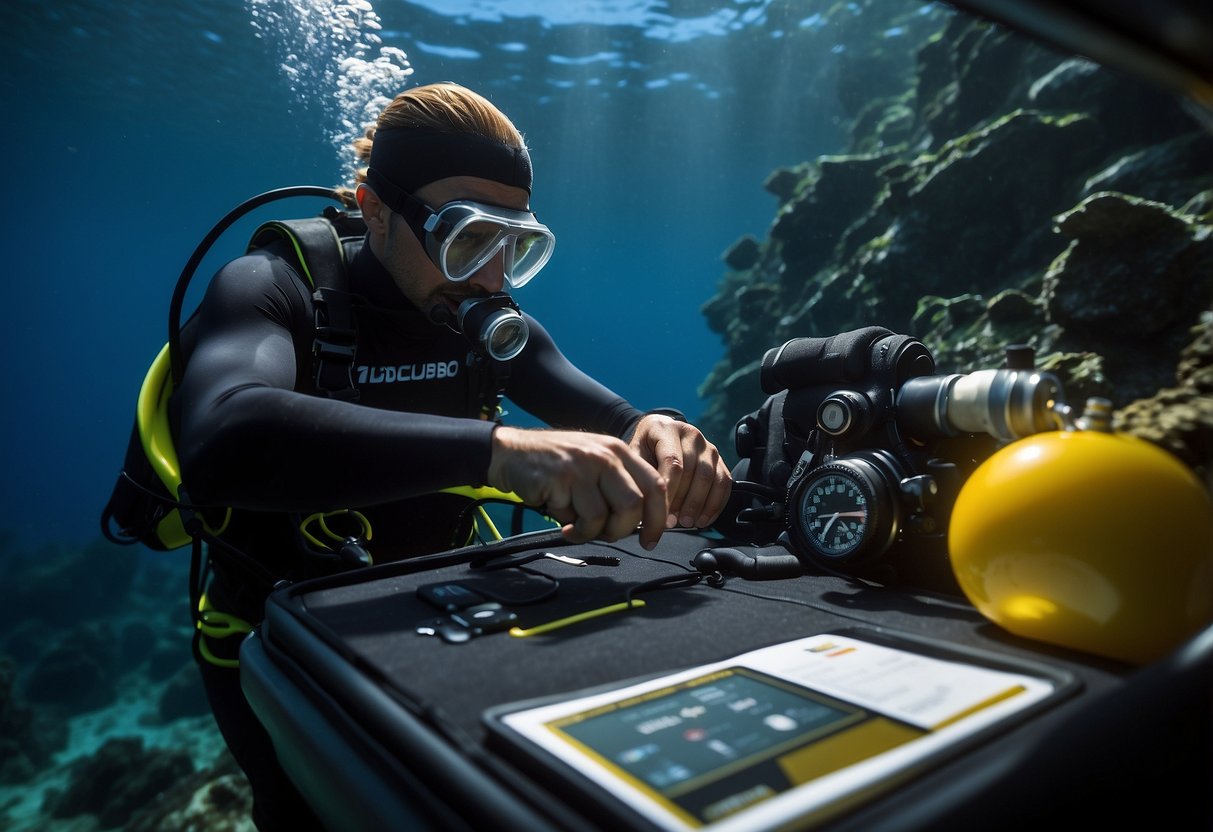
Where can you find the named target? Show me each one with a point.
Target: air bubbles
(331, 55)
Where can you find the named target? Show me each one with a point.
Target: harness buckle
(340, 347)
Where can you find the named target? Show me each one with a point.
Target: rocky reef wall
(993, 192)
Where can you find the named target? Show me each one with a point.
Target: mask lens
(466, 252)
(531, 251)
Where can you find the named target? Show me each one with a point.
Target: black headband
(404, 159)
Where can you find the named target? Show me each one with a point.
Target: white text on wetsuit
(407, 372)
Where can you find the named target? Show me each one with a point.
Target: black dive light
(494, 325)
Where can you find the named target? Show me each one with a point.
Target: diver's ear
(374, 212)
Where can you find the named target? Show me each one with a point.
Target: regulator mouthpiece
(494, 325)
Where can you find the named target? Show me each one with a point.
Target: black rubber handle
(769, 563)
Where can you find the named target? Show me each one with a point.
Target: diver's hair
(445, 107)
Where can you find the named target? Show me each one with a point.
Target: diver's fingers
(593, 484)
(711, 483)
(595, 516)
(617, 492)
(699, 481)
(658, 440)
(653, 488)
(669, 454)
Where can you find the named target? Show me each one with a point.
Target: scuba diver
(261, 428)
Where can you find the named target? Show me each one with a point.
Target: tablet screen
(712, 744)
(794, 731)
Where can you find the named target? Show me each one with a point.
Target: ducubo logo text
(407, 372)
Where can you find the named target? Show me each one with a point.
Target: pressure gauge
(844, 511)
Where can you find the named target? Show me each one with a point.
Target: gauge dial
(832, 511)
(846, 511)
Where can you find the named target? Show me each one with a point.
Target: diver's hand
(699, 481)
(595, 485)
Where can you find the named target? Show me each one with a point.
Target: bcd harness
(150, 504)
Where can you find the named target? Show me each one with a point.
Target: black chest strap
(487, 386)
(323, 254)
(333, 349)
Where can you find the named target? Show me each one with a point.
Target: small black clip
(352, 551)
(465, 624)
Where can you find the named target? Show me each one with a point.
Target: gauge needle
(837, 514)
(829, 523)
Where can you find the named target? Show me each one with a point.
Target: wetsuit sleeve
(544, 383)
(249, 437)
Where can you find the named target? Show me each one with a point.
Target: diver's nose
(490, 278)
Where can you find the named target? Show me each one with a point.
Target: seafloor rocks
(215, 799)
(29, 737)
(78, 673)
(119, 779)
(54, 587)
(970, 73)
(973, 218)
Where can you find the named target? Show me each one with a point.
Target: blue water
(134, 126)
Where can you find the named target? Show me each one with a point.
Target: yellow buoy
(1097, 541)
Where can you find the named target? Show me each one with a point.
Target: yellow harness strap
(214, 624)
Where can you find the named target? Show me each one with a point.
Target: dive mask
(461, 237)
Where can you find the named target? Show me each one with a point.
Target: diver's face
(418, 279)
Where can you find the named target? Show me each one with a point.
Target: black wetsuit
(248, 440)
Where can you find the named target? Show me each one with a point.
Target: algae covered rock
(1124, 285)
(1031, 197)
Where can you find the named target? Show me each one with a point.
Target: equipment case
(383, 728)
